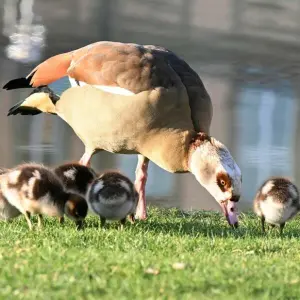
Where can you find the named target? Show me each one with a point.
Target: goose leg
(140, 184)
(86, 158)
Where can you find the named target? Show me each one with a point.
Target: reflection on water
(248, 62)
(26, 38)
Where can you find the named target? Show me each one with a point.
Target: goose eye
(222, 182)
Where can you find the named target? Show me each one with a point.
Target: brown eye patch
(223, 181)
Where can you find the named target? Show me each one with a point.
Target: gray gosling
(112, 196)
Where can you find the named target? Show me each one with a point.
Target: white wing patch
(13, 176)
(71, 174)
(267, 187)
(98, 186)
(110, 89)
(125, 185)
(37, 174)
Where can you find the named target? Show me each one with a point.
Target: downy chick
(75, 177)
(35, 189)
(112, 196)
(276, 202)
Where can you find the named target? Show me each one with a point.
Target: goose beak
(230, 212)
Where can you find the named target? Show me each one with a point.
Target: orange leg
(141, 174)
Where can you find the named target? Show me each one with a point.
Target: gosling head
(76, 209)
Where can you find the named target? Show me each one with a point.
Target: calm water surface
(247, 59)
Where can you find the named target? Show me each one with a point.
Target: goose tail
(45, 73)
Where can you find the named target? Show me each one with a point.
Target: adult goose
(137, 99)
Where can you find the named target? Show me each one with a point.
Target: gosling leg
(123, 221)
(61, 220)
(40, 221)
(263, 224)
(79, 224)
(281, 228)
(27, 217)
(102, 221)
(131, 218)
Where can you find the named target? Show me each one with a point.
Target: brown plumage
(75, 177)
(276, 202)
(35, 189)
(112, 196)
(134, 67)
(136, 99)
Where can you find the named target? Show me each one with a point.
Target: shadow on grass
(198, 228)
(176, 222)
(195, 229)
(212, 224)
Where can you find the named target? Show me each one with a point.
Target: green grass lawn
(142, 262)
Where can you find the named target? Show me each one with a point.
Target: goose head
(215, 169)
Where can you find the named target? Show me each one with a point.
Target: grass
(138, 263)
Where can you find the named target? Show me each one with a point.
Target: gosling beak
(230, 212)
(79, 224)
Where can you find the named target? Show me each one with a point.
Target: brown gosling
(35, 189)
(276, 202)
(112, 196)
(75, 177)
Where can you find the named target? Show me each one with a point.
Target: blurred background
(247, 52)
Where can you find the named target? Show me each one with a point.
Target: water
(246, 52)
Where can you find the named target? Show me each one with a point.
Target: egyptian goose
(35, 189)
(276, 202)
(7, 211)
(112, 196)
(137, 99)
(75, 177)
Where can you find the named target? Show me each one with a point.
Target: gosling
(276, 202)
(35, 189)
(112, 196)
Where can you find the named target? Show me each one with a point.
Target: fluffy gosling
(34, 189)
(276, 202)
(112, 196)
